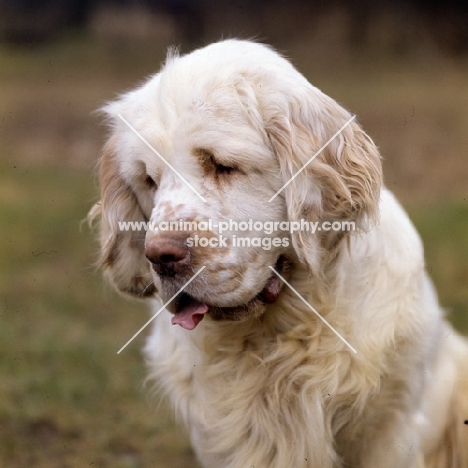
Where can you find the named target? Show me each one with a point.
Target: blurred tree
(34, 21)
(444, 23)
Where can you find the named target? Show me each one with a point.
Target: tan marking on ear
(341, 183)
(122, 252)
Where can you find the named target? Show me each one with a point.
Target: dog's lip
(271, 290)
(189, 311)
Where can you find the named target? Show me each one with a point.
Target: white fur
(282, 390)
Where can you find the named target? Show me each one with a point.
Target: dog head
(228, 143)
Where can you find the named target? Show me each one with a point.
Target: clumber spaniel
(315, 349)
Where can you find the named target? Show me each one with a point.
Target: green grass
(66, 398)
(444, 230)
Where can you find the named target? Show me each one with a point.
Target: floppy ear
(122, 252)
(340, 183)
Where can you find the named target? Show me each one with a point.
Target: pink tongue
(190, 315)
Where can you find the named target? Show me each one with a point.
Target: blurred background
(66, 398)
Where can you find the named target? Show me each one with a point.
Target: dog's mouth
(189, 311)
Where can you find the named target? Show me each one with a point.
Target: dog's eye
(221, 169)
(211, 166)
(150, 183)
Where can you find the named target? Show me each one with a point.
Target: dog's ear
(337, 182)
(122, 254)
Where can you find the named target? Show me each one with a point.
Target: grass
(444, 229)
(67, 399)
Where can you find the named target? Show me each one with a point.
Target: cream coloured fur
(279, 389)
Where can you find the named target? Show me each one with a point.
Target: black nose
(168, 255)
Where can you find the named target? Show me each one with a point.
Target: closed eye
(221, 168)
(211, 166)
(150, 183)
(142, 180)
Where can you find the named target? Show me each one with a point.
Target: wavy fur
(281, 389)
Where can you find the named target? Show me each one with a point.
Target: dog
(298, 347)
